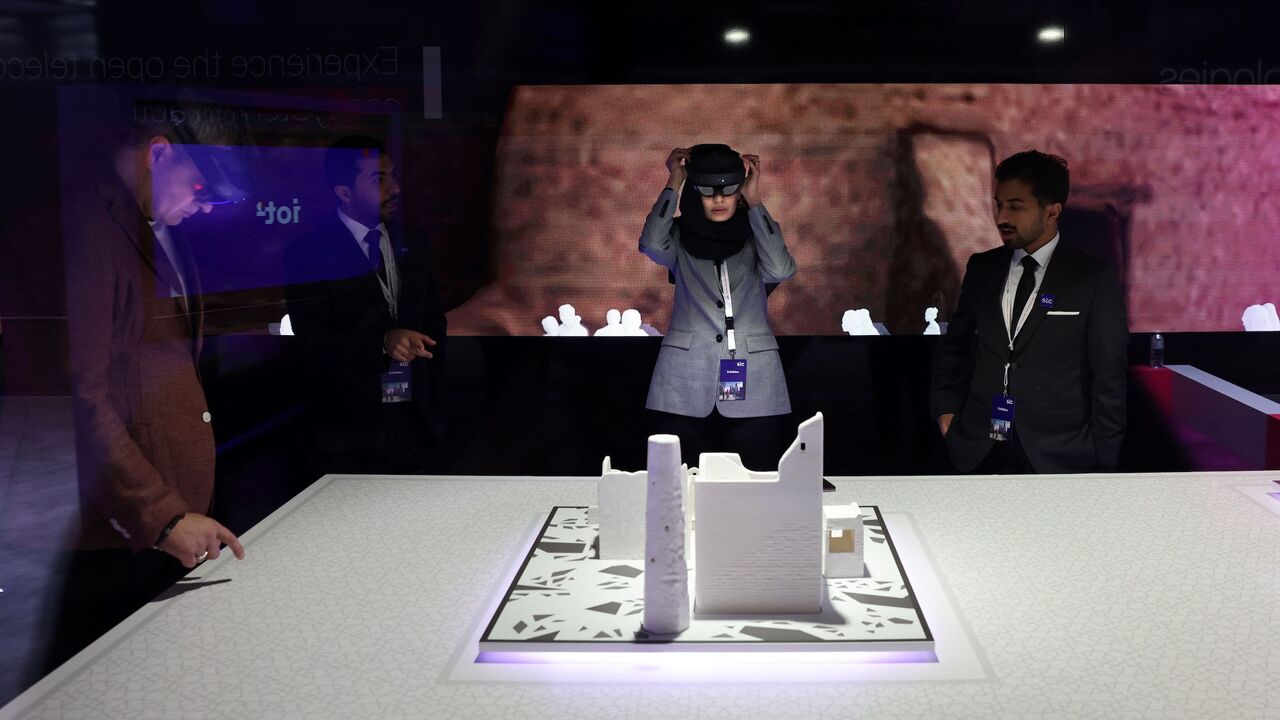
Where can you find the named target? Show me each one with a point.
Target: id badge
(1001, 418)
(733, 379)
(395, 384)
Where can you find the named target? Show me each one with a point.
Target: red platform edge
(1273, 443)
(1159, 385)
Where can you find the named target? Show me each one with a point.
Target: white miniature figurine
(1259, 318)
(758, 535)
(571, 323)
(858, 322)
(631, 324)
(666, 574)
(620, 504)
(574, 328)
(931, 322)
(844, 542)
(550, 327)
(612, 324)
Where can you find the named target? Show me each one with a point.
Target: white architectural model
(759, 535)
(763, 540)
(1260, 318)
(858, 322)
(612, 324)
(931, 322)
(843, 557)
(666, 575)
(620, 513)
(631, 324)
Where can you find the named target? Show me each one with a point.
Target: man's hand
(676, 163)
(404, 345)
(751, 187)
(194, 536)
(944, 423)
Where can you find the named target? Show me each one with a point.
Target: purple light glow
(705, 659)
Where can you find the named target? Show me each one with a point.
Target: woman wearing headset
(718, 382)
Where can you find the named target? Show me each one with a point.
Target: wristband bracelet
(168, 529)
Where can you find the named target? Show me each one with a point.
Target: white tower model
(666, 575)
(759, 536)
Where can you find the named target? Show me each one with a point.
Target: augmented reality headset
(726, 184)
(225, 169)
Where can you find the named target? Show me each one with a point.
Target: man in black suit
(364, 306)
(1061, 379)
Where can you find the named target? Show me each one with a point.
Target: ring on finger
(201, 557)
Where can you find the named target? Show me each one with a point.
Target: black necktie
(373, 239)
(1025, 285)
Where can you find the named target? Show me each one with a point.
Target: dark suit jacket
(1069, 378)
(340, 317)
(145, 448)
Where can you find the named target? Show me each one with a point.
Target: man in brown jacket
(144, 442)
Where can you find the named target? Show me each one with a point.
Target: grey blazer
(686, 378)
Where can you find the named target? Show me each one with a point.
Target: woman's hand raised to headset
(751, 187)
(676, 163)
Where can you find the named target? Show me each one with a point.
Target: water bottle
(1157, 350)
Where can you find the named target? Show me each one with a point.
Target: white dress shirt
(1042, 256)
(165, 240)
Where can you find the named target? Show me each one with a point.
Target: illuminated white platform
(565, 599)
(1051, 596)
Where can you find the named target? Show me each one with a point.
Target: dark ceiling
(619, 42)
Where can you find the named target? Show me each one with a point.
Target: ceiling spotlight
(1051, 35)
(736, 36)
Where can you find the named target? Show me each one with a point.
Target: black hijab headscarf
(714, 165)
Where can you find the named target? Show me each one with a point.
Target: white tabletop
(1090, 596)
